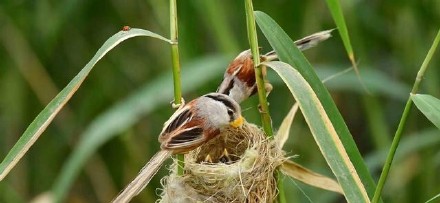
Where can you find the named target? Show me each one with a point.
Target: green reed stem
(397, 136)
(176, 70)
(280, 186)
(260, 78)
(253, 41)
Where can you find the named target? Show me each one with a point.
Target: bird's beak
(237, 122)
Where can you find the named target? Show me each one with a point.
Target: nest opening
(236, 166)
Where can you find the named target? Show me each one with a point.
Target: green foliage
(124, 114)
(44, 44)
(429, 106)
(323, 131)
(46, 116)
(290, 54)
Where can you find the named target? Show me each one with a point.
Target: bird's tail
(306, 42)
(143, 178)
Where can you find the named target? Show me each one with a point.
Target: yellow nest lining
(246, 175)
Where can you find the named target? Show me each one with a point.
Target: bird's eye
(230, 112)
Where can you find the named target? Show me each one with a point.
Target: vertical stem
(175, 52)
(425, 63)
(253, 41)
(280, 186)
(260, 78)
(397, 136)
(176, 69)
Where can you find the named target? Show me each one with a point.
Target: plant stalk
(176, 70)
(398, 135)
(280, 186)
(259, 76)
(260, 80)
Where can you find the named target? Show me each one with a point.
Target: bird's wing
(185, 139)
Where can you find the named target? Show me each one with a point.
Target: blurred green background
(44, 44)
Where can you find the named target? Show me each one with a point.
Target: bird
(192, 125)
(239, 78)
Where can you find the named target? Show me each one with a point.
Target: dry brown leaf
(309, 177)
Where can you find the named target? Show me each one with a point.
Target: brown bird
(192, 125)
(239, 78)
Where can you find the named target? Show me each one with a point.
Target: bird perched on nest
(192, 125)
(239, 79)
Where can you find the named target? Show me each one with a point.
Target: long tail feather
(143, 178)
(306, 42)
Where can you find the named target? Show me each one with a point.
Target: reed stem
(398, 134)
(176, 70)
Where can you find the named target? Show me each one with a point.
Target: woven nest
(244, 172)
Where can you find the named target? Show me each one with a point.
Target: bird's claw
(268, 88)
(176, 106)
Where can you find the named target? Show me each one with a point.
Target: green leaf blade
(45, 117)
(429, 106)
(323, 132)
(287, 52)
(126, 113)
(338, 17)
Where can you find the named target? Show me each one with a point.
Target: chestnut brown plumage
(239, 78)
(192, 125)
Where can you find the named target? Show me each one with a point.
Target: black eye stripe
(223, 100)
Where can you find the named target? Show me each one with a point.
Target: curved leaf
(377, 82)
(129, 111)
(338, 17)
(429, 106)
(40, 123)
(309, 177)
(290, 54)
(323, 131)
(284, 130)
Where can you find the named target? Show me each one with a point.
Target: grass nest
(237, 166)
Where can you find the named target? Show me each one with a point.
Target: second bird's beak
(237, 122)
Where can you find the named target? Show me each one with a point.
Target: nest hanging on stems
(237, 166)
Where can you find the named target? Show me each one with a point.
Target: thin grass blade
(338, 17)
(309, 177)
(284, 130)
(289, 53)
(323, 132)
(143, 178)
(433, 198)
(126, 113)
(40, 123)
